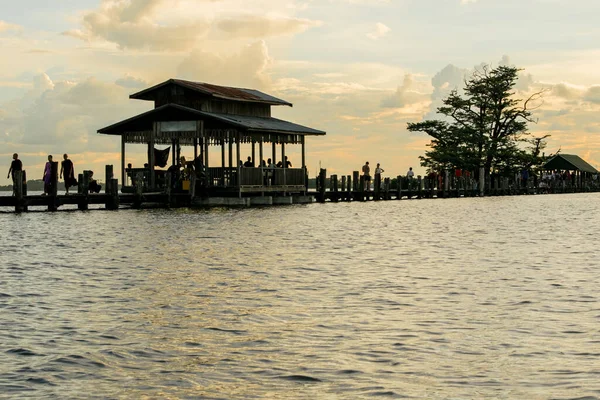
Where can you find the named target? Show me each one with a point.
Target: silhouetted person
(47, 178)
(93, 184)
(367, 175)
(288, 164)
(15, 165)
(249, 163)
(66, 168)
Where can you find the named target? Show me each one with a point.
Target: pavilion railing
(288, 176)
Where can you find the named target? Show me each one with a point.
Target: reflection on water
(457, 298)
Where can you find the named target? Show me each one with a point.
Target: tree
(484, 127)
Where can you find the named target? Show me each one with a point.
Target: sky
(358, 69)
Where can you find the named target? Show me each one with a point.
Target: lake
(438, 299)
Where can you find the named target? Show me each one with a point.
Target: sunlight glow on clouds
(380, 31)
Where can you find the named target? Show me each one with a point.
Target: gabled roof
(569, 162)
(176, 112)
(220, 92)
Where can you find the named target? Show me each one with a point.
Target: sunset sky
(358, 69)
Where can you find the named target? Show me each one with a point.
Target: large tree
(484, 126)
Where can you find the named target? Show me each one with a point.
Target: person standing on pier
(66, 167)
(379, 170)
(410, 174)
(367, 175)
(47, 178)
(15, 165)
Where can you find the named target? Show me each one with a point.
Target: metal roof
(569, 162)
(176, 112)
(221, 92)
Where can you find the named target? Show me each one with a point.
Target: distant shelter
(569, 162)
(207, 116)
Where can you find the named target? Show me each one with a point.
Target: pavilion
(203, 116)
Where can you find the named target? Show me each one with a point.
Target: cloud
(592, 95)
(246, 68)
(167, 26)
(380, 31)
(465, 2)
(566, 91)
(131, 82)
(405, 95)
(8, 27)
(258, 26)
(132, 25)
(64, 116)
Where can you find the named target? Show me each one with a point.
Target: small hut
(207, 117)
(569, 162)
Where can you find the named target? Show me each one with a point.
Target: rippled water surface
(437, 299)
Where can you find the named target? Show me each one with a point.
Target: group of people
(266, 164)
(66, 169)
(366, 170)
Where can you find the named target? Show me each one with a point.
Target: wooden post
(349, 188)
(343, 188)
(107, 177)
(399, 184)
(169, 178)
(274, 152)
(356, 182)
(155, 128)
(83, 188)
(283, 163)
(239, 171)
(334, 187)
(409, 184)
(24, 190)
(377, 188)
(321, 184)
(361, 189)
(386, 186)
(303, 142)
(481, 181)
(123, 160)
(254, 154)
(138, 189)
(222, 166)
(113, 195)
(446, 183)
(420, 188)
(195, 148)
(18, 190)
(52, 201)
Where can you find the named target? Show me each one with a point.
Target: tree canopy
(484, 126)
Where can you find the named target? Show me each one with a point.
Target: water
(437, 299)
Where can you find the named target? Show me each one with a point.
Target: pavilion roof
(176, 112)
(569, 162)
(216, 91)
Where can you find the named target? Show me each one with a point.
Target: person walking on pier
(47, 178)
(15, 165)
(367, 175)
(66, 168)
(410, 174)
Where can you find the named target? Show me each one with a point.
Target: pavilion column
(173, 156)
(195, 148)
(253, 153)
(178, 152)
(155, 128)
(304, 174)
(303, 141)
(260, 152)
(230, 152)
(283, 163)
(239, 178)
(223, 161)
(206, 152)
(123, 183)
(274, 152)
